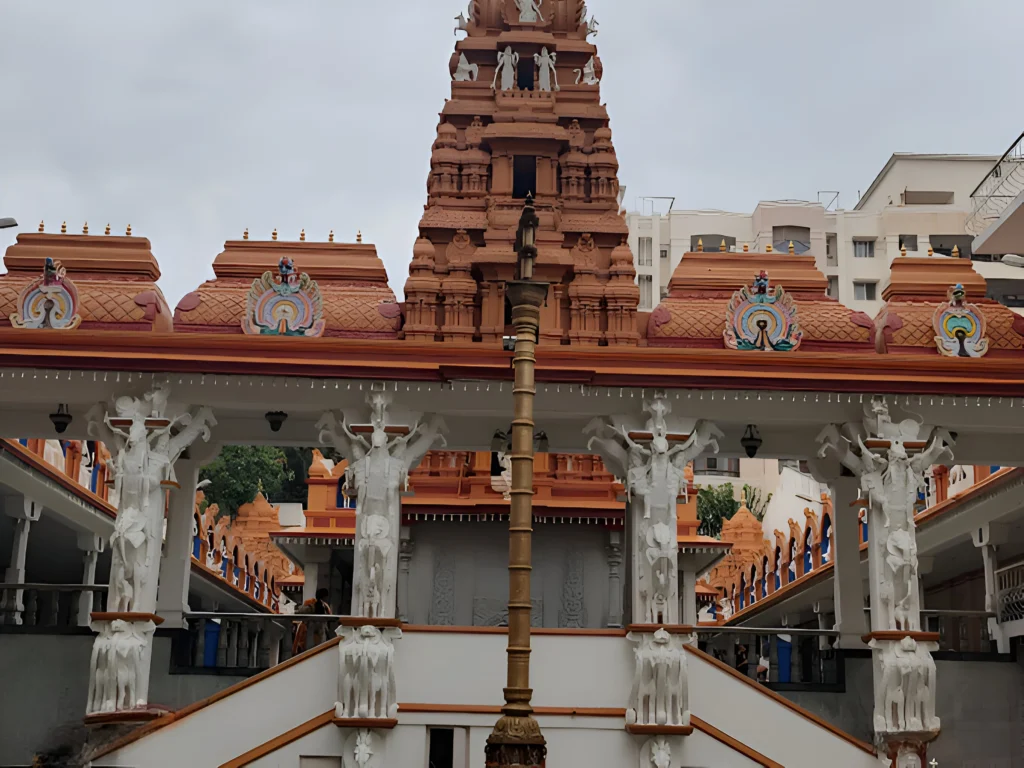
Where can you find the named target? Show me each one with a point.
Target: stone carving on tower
(378, 471)
(762, 318)
(651, 461)
(366, 685)
(525, 116)
(285, 304)
(891, 460)
(49, 301)
(145, 442)
(660, 692)
(960, 328)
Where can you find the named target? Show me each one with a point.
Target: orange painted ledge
(380, 724)
(921, 637)
(126, 716)
(286, 738)
(660, 730)
(737, 746)
(125, 616)
(672, 629)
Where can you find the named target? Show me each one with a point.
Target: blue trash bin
(211, 640)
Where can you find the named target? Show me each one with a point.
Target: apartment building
(918, 202)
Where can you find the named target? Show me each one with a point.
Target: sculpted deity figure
(654, 473)
(378, 471)
(466, 72)
(546, 72)
(587, 75)
(508, 60)
(529, 10)
(367, 681)
(659, 695)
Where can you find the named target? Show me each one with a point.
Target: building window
(664, 253)
(909, 242)
(912, 197)
(713, 465)
(833, 287)
(864, 249)
(864, 291)
(442, 748)
(800, 237)
(832, 250)
(712, 242)
(644, 258)
(646, 283)
(943, 245)
(524, 176)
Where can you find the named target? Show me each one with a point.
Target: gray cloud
(194, 120)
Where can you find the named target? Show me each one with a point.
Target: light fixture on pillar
(516, 738)
(751, 440)
(61, 419)
(276, 420)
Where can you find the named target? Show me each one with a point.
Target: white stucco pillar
(176, 562)
(987, 538)
(25, 512)
(851, 619)
(92, 547)
(614, 554)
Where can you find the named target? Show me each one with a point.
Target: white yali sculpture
(651, 461)
(660, 695)
(547, 76)
(363, 749)
(529, 10)
(145, 442)
(587, 75)
(891, 460)
(466, 72)
(378, 471)
(656, 753)
(366, 685)
(508, 60)
(464, 20)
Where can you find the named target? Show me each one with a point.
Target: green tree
(239, 472)
(298, 461)
(757, 501)
(715, 505)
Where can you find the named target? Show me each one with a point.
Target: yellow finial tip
(746, 247)
(302, 235)
(64, 228)
(245, 234)
(359, 236)
(330, 237)
(903, 250)
(128, 231)
(792, 248)
(723, 247)
(700, 245)
(273, 235)
(769, 248)
(42, 227)
(931, 251)
(85, 228)
(956, 251)
(107, 230)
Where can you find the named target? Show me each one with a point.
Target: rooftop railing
(997, 190)
(1010, 593)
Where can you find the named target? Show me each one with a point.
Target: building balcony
(997, 221)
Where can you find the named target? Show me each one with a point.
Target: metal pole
(516, 739)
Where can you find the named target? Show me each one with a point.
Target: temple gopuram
(506, 563)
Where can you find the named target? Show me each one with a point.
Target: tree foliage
(757, 501)
(239, 472)
(298, 461)
(715, 505)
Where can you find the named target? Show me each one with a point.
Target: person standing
(307, 637)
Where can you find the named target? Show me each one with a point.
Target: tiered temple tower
(525, 117)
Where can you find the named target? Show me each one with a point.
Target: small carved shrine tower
(525, 117)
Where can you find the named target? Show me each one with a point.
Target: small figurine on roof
(761, 284)
(289, 276)
(53, 272)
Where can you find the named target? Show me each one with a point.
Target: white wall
(795, 493)
(468, 669)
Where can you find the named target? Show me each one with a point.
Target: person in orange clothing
(316, 606)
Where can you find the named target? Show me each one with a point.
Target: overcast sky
(195, 119)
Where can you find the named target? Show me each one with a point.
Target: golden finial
(245, 234)
(723, 247)
(330, 237)
(792, 248)
(64, 228)
(42, 227)
(956, 251)
(903, 250)
(746, 248)
(768, 249)
(359, 236)
(128, 231)
(700, 245)
(931, 251)
(85, 228)
(107, 230)
(302, 236)
(273, 235)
